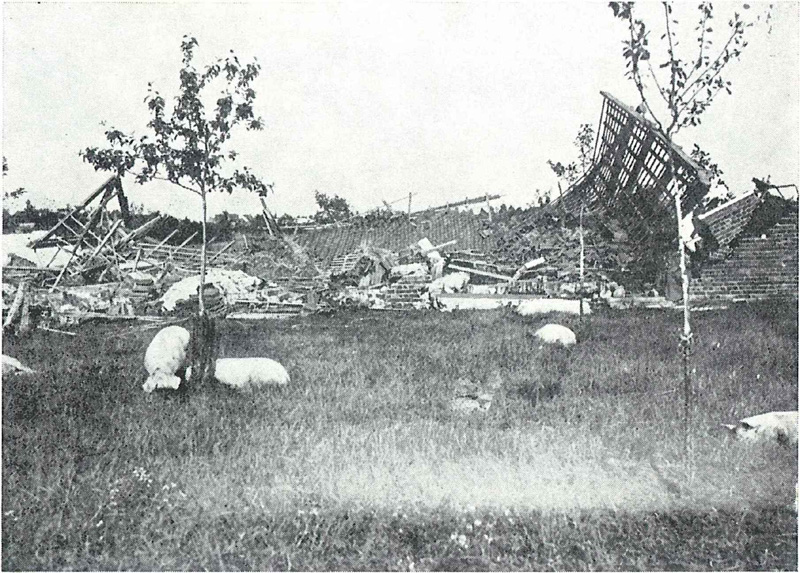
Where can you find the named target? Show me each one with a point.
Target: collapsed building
(620, 214)
(750, 250)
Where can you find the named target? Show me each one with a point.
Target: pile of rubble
(91, 267)
(611, 228)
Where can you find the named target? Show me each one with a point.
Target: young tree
(331, 209)
(585, 144)
(677, 98)
(187, 144)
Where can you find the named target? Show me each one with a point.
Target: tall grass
(320, 474)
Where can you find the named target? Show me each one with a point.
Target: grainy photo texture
(400, 286)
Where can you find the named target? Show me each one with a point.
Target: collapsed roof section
(629, 179)
(94, 239)
(91, 244)
(439, 226)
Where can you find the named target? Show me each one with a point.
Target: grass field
(360, 464)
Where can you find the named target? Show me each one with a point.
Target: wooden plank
(225, 248)
(437, 247)
(82, 226)
(140, 230)
(136, 261)
(266, 214)
(186, 242)
(167, 238)
(103, 242)
(56, 330)
(481, 273)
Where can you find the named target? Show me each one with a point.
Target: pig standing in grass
(248, 373)
(778, 427)
(166, 356)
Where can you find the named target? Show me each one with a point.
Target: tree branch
(709, 66)
(655, 79)
(673, 65)
(178, 183)
(636, 73)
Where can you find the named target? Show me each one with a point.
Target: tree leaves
(186, 144)
(692, 84)
(331, 209)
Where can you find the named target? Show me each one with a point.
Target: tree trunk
(203, 337)
(686, 335)
(200, 296)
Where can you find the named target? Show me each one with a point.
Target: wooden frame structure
(93, 237)
(629, 178)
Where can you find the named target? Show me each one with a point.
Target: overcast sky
(372, 101)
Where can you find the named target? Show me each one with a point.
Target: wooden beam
(77, 209)
(82, 227)
(140, 230)
(104, 241)
(481, 273)
(110, 193)
(225, 248)
(92, 220)
(183, 244)
(437, 247)
(167, 238)
(48, 329)
(265, 212)
(136, 262)
(460, 203)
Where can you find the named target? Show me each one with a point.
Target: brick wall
(757, 267)
(727, 221)
(406, 293)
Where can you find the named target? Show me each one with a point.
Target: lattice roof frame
(629, 160)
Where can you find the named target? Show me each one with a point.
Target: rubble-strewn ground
(360, 464)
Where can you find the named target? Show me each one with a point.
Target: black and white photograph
(400, 286)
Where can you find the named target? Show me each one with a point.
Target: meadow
(360, 464)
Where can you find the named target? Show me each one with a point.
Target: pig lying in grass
(772, 426)
(555, 334)
(248, 373)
